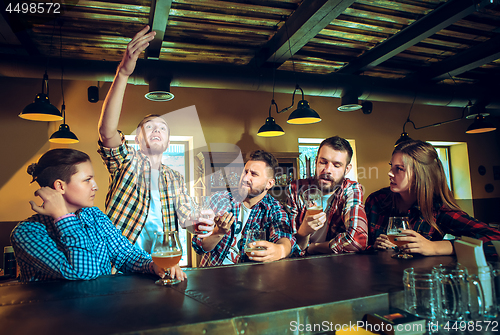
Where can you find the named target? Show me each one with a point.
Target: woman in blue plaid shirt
(68, 237)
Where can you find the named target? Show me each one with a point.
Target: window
(455, 159)
(176, 157)
(444, 156)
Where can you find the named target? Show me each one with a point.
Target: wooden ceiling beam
(158, 19)
(305, 23)
(13, 32)
(465, 61)
(440, 18)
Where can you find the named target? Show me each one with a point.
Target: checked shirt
(81, 246)
(267, 213)
(128, 199)
(379, 207)
(345, 214)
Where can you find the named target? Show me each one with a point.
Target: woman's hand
(382, 242)
(53, 204)
(417, 244)
(175, 272)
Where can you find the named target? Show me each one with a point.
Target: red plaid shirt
(346, 218)
(379, 207)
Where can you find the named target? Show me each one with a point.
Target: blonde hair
(426, 178)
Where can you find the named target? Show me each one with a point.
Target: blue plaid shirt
(81, 246)
(267, 213)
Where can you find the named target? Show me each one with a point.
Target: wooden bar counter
(271, 298)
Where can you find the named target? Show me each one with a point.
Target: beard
(323, 179)
(249, 191)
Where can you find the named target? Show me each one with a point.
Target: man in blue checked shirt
(68, 238)
(249, 208)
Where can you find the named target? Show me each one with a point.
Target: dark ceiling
(428, 51)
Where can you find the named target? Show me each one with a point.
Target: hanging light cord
(63, 107)
(45, 83)
(294, 74)
(469, 104)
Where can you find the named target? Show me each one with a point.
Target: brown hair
(339, 144)
(266, 157)
(56, 164)
(426, 177)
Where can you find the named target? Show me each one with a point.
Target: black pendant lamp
(64, 135)
(41, 109)
(480, 125)
(403, 138)
(271, 128)
(303, 114)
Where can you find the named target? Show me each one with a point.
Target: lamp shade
(480, 125)
(270, 129)
(349, 103)
(403, 138)
(64, 135)
(41, 110)
(159, 89)
(303, 114)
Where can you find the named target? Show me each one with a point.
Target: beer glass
(256, 234)
(202, 204)
(192, 223)
(313, 199)
(458, 301)
(421, 293)
(394, 228)
(166, 253)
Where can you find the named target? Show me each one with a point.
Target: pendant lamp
(64, 135)
(41, 109)
(480, 125)
(270, 128)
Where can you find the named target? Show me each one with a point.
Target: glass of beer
(396, 225)
(313, 199)
(254, 235)
(166, 253)
(201, 203)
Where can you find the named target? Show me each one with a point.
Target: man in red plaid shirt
(341, 226)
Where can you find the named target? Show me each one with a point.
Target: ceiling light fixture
(349, 103)
(480, 125)
(404, 135)
(303, 114)
(41, 109)
(270, 128)
(63, 135)
(159, 89)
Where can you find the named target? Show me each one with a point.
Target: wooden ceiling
(454, 42)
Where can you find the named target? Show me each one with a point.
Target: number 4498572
(477, 326)
(34, 8)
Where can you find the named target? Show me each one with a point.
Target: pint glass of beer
(313, 200)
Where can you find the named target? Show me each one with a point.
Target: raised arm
(111, 109)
